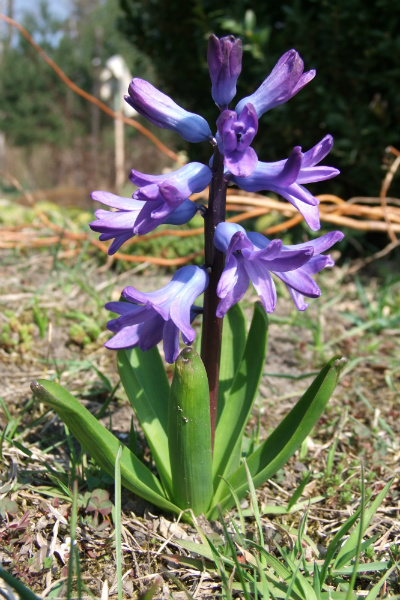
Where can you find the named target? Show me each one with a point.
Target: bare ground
(362, 420)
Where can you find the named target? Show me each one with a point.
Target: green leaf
(101, 444)
(189, 434)
(233, 344)
(236, 413)
(146, 384)
(288, 436)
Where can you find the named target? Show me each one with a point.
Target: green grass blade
(374, 592)
(73, 554)
(146, 384)
(349, 548)
(23, 592)
(335, 544)
(298, 492)
(118, 512)
(233, 344)
(233, 420)
(239, 571)
(254, 505)
(189, 434)
(101, 444)
(288, 436)
(361, 530)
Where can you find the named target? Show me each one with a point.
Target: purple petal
(170, 341)
(121, 308)
(248, 117)
(117, 243)
(223, 235)
(183, 214)
(151, 215)
(224, 59)
(160, 109)
(298, 299)
(314, 174)
(180, 309)
(313, 156)
(304, 79)
(301, 282)
(157, 298)
(284, 81)
(229, 277)
(317, 263)
(151, 333)
(237, 292)
(320, 244)
(241, 164)
(116, 201)
(267, 251)
(310, 213)
(126, 338)
(289, 260)
(138, 314)
(109, 221)
(263, 284)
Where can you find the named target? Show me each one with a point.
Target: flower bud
(224, 59)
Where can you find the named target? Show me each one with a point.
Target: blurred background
(355, 96)
(60, 146)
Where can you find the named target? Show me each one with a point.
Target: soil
(362, 418)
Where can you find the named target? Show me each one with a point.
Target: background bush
(354, 47)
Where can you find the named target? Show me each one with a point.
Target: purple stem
(214, 259)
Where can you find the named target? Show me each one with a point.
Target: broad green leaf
(145, 381)
(233, 344)
(189, 434)
(102, 445)
(236, 413)
(288, 436)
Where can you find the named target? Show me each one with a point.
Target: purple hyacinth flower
(119, 225)
(161, 110)
(163, 194)
(235, 134)
(252, 257)
(285, 80)
(148, 318)
(285, 177)
(224, 59)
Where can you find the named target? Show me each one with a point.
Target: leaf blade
(233, 420)
(287, 437)
(189, 434)
(102, 444)
(146, 385)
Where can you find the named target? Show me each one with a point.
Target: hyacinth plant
(196, 425)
